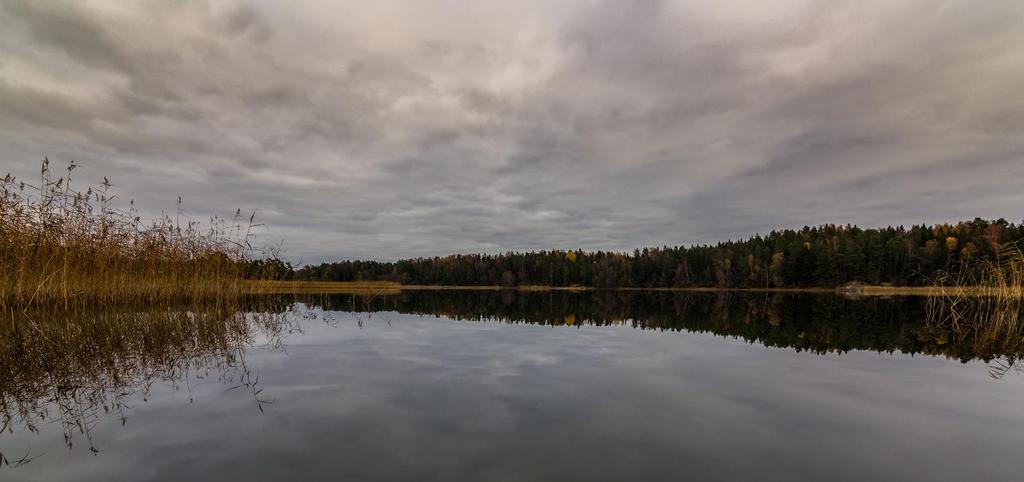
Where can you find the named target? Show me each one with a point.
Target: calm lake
(485, 385)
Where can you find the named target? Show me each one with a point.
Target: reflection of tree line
(805, 322)
(77, 369)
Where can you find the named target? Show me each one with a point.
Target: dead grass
(989, 307)
(68, 247)
(274, 287)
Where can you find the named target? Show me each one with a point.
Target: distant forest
(823, 256)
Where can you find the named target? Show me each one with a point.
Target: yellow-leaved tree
(951, 243)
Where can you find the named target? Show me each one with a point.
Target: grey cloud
(72, 30)
(385, 131)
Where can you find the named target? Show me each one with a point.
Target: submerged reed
(61, 246)
(987, 307)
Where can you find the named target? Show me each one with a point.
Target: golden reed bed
(61, 246)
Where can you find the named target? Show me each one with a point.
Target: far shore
(387, 287)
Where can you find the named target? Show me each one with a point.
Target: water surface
(514, 386)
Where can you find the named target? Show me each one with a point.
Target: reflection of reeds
(988, 306)
(60, 246)
(78, 368)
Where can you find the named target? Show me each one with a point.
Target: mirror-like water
(477, 386)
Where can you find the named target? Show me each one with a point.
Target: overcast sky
(389, 129)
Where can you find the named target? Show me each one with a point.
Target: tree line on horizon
(823, 256)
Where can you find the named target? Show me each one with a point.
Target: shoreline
(387, 287)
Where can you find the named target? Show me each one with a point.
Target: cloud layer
(407, 128)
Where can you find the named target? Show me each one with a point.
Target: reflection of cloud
(397, 130)
(427, 398)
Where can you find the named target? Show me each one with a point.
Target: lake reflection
(473, 385)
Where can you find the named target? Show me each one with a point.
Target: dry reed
(987, 307)
(61, 246)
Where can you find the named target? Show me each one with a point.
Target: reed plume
(68, 247)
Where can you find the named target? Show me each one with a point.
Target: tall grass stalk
(68, 247)
(989, 306)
